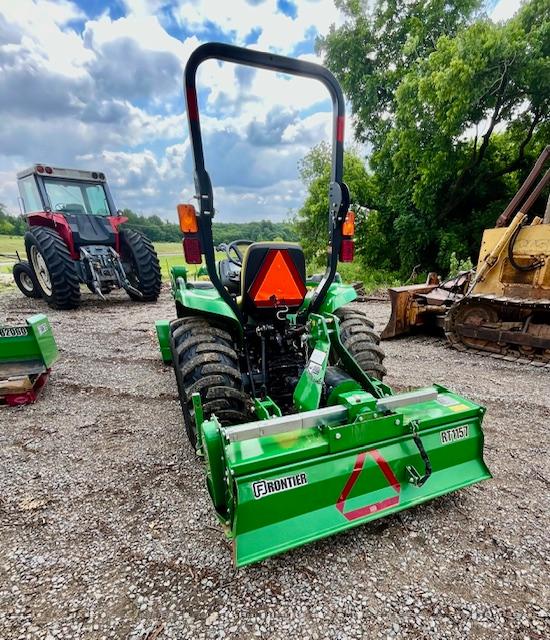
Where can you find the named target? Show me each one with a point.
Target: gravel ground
(107, 532)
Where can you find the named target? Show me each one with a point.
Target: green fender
(192, 302)
(337, 296)
(204, 301)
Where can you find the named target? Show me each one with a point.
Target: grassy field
(11, 244)
(171, 253)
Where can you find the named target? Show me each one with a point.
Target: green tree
(159, 230)
(455, 109)
(10, 225)
(311, 221)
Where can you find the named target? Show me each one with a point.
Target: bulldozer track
(500, 343)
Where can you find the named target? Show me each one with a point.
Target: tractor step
(283, 482)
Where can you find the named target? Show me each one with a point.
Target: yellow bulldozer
(503, 306)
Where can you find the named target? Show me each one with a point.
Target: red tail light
(192, 250)
(347, 250)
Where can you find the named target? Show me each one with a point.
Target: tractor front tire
(26, 280)
(358, 336)
(205, 361)
(53, 267)
(144, 273)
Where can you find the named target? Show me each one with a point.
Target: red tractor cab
(74, 238)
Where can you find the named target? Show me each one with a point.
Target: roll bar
(338, 191)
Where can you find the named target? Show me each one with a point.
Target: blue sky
(97, 85)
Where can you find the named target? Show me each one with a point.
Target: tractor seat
(273, 277)
(230, 275)
(87, 229)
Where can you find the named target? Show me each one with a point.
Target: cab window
(29, 195)
(70, 196)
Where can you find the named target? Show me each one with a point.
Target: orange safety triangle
(277, 284)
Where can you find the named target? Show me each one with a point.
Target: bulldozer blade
(337, 469)
(403, 315)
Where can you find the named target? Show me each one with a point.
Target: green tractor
(281, 379)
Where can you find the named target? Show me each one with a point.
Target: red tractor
(74, 238)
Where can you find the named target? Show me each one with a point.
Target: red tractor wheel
(53, 267)
(141, 264)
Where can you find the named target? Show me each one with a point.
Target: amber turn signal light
(348, 227)
(188, 218)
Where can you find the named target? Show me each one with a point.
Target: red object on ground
(30, 396)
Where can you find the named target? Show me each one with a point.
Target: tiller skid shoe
(280, 482)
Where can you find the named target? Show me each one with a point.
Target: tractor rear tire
(26, 280)
(358, 336)
(53, 267)
(205, 362)
(138, 251)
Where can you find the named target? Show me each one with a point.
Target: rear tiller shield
(346, 465)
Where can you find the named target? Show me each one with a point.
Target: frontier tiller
(280, 379)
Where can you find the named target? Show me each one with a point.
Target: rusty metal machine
(502, 307)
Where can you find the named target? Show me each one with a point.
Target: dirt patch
(106, 529)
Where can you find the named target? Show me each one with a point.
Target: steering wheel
(234, 246)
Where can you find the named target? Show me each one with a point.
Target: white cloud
(505, 9)
(107, 93)
(279, 32)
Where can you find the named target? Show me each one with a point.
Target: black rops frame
(338, 191)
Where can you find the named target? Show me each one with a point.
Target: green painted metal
(177, 271)
(266, 408)
(29, 342)
(162, 328)
(201, 271)
(199, 419)
(205, 301)
(286, 490)
(215, 470)
(308, 391)
(338, 294)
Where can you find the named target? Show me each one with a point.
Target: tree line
(159, 230)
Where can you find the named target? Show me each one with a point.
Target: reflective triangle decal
(278, 282)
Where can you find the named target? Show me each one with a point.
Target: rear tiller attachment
(283, 481)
